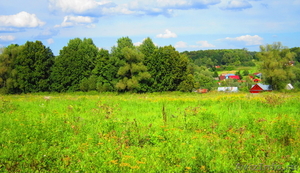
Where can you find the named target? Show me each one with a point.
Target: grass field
(159, 132)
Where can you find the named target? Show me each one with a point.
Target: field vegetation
(157, 132)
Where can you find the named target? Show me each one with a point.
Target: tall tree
(33, 67)
(296, 50)
(105, 72)
(74, 64)
(133, 70)
(8, 73)
(275, 66)
(168, 68)
(147, 48)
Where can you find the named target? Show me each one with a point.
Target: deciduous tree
(275, 66)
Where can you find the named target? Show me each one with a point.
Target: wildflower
(128, 156)
(188, 168)
(124, 164)
(135, 167)
(140, 162)
(114, 161)
(194, 157)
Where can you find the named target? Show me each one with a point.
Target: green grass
(159, 132)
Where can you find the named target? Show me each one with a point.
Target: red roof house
(234, 77)
(257, 88)
(256, 80)
(222, 77)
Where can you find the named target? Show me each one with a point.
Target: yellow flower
(140, 162)
(124, 164)
(188, 168)
(135, 167)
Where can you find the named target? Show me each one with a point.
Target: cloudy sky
(185, 24)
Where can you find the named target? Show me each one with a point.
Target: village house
(259, 87)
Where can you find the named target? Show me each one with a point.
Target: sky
(185, 24)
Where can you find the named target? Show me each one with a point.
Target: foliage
(8, 73)
(75, 63)
(168, 68)
(275, 65)
(105, 71)
(232, 57)
(33, 67)
(26, 68)
(296, 50)
(133, 70)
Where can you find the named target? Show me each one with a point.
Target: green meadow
(158, 132)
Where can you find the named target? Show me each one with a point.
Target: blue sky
(184, 24)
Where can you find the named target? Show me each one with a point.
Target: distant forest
(82, 66)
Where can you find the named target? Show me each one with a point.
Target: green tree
(133, 71)
(33, 66)
(204, 78)
(8, 73)
(105, 72)
(245, 73)
(168, 69)
(147, 48)
(74, 65)
(238, 73)
(275, 66)
(296, 50)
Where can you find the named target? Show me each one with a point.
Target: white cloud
(7, 38)
(140, 7)
(50, 41)
(166, 7)
(8, 29)
(237, 5)
(199, 44)
(167, 34)
(80, 6)
(247, 39)
(181, 44)
(22, 19)
(205, 44)
(75, 20)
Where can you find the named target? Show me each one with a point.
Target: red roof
(222, 77)
(257, 88)
(234, 77)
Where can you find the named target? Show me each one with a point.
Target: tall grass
(159, 132)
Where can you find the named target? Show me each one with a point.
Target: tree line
(81, 66)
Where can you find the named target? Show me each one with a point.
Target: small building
(258, 74)
(289, 87)
(234, 77)
(222, 77)
(228, 75)
(259, 87)
(256, 80)
(228, 89)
